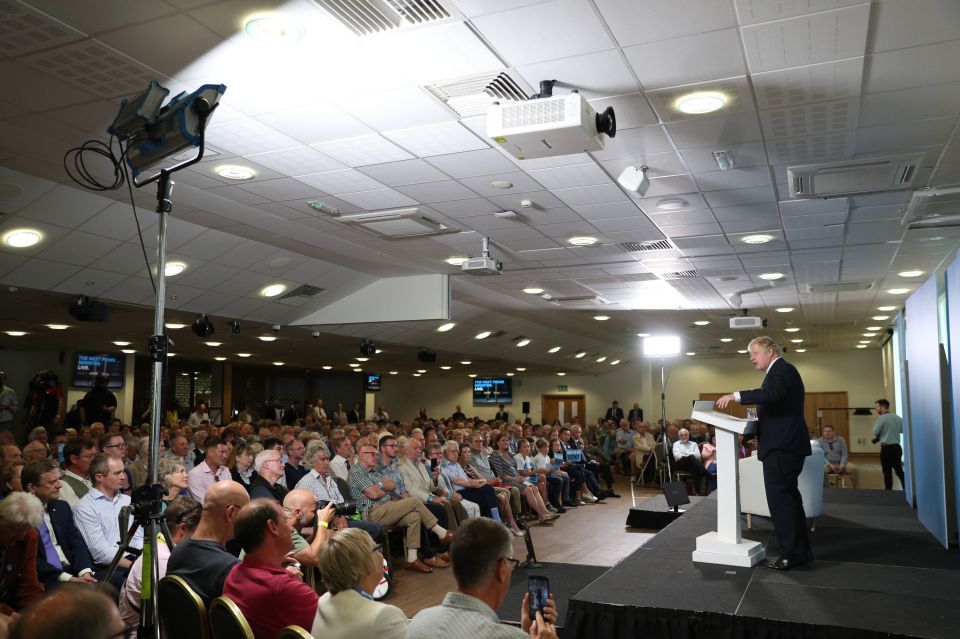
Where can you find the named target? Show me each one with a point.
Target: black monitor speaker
(84, 309)
(675, 494)
(526, 408)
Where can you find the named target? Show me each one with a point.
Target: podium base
(710, 550)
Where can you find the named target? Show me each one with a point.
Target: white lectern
(725, 546)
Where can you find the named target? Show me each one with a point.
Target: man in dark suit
(636, 413)
(783, 444)
(62, 554)
(502, 414)
(614, 412)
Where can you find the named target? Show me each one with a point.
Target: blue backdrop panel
(926, 415)
(903, 405)
(953, 331)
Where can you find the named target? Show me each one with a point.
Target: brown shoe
(447, 538)
(435, 562)
(418, 566)
(444, 556)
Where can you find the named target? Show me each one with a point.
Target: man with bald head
(300, 509)
(203, 559)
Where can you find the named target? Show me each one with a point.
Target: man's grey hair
(765, 342)
(314, 448)
(263, 456)
(21, 508)
(479, 545)
(36, 433)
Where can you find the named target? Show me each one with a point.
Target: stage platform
(878, 573)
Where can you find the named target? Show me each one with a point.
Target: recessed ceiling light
(886, 308)
(898, 291)
(278, 363)
(690, 353)
(880, 318)
(726, 339)
(874, 328)
(701, 323)
(214, 343)
(119, 343)
(643, 334)
(235, 172)
(421, 370)
(700, 102)
(128, 351)
(326, 368)
(243, 354)
(869, 334)
(601, 318)
(771, 276)
(582, 240)
(601, 359)
(273, 29)
(220, 359)
(471, 375)
(501, 184)
(393, 372)
(555, 349)
(796, 341)
(273, 290)
(443, 328)
(861, 345)
(792, 329)
(785, 309)
(267, 338)
(466, 362)
(672, 204)
(799, 350)
(560, 374)
(58, 327)
(580, 355)
(910, 273)
(865, 341)
(523, 342)
(22, 238)
(173, 326)
(521, 368)
(743, 351)
(353, 365)
(171, 354)
(482, 335)
(457, 260)
(363, 359)
(510, 374)
(445, 368)
(756, 239)
(615, 362)
(170, 269)
(416, 374)
(533, 290)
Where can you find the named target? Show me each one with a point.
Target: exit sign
(561, 388)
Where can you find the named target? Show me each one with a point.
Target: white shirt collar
(770, 365)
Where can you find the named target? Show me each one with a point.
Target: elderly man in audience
(424, 484)
(63, 555)
(203, 559)
(97, 514)
(138, 468)
(372, 492)
(465, 479)
(300, 509)
(480, 462)
(20, 515)
(179, 447)
(483, 565)
(182, 518)
(352, 566)
(686, 456)
(266, 483)
(77, 455)
(323, 487)
(643, 446)
(836, 455)
(269, 597)
(209, 471)
(36, 451)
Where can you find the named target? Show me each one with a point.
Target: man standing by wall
(887, 432)
(783, 446)
(8, 403)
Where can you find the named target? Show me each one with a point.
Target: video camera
(346, 508)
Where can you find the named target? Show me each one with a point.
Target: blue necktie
(52, 557)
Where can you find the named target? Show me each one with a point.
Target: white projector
(745, 322)
(547, 127)
(481, 266)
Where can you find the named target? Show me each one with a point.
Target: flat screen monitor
(373, 383)
(89, 365)
(492, 390)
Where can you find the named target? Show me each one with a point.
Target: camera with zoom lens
(346, 508)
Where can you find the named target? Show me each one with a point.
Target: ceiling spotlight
(690, 353)
(580, 355)
(482, 335)
(243, 354)
(173, 326)
(119, 343)
(771, 276)
(756, 239)
(800, 350)
(874, 328)
(643, 334)
(910, 273)
(393, 372)
(421, 370)
(466, 362)
(363, 359)
(174, 268)
(278, 363)
(785, 309)
(701, 323)
(560, 374)
(533, 290)
(367, 348)
(510, 374)
(898, 291)
(267, 338)
(700, 102)
(471, 374)
(521, 368)
(22, 238)
(726, 340)
(865, 341)
(128, 351)
(326, 368)
(672, 204)
(58, 327)
(634, 178)
(792, 329)
(743, 351)
(615, 362)
(886, 308)
(443, 328)
(353, 365)
(523, 342)
(869, 334)
(273, 29)
(601, 359)
(220, 359)
(445, 368)
(880, 318)
(20, 334)
(202, 326)
(582, 240)
(601, 318)
(501, 184)
(416, 374)
(235, 172)
(797, 340)
(554, 349)
(861, 345)
(457, 260)
(235, 327)
(214, 343)
(273, 290)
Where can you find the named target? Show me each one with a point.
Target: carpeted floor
(565, 581)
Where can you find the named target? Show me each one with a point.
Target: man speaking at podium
(783, 444)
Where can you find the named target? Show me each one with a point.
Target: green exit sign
(561, 388)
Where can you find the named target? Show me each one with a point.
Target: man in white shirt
(686, 456)
(345, 457)
(97, 514)
(200, 415)
(210, 470)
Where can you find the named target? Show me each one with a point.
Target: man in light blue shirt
(96, 514)
(886, 432)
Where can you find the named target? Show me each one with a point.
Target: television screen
(89, 365)
(373, 383)
(492, 390)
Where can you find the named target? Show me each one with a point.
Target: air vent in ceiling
(839, 287)
(474, 95)
(578, 300)
(853, 176)
(397, 224)
(933, 209)
(834, 324)
(366, 17)
(305, 290)
(678, 275)
(653, 245)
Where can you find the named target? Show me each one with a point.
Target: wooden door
(826, 405)
(564, 408)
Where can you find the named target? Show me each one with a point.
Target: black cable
(136, 218)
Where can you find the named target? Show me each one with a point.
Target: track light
(367, 348)
(202, 326)
(235, 327)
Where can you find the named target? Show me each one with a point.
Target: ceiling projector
(746, 322)
(549, 126)
(485, 265)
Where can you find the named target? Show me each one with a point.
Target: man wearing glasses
(266, 481)
(77, 455)
(483, 564)
(372, 491)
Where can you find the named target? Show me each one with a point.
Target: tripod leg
(116, 558)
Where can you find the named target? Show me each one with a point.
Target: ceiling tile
(657, 64)
(363, 150)
(338, 182)
(404, 172)
(571, 176)
(282, 189)
(209, 276)
(409, 107)
(810, 119)
(715, 132)
(637, 21)
(595, 75)
(379, 199)
(318, 122)
(522, 183)
(734, 178)
(63, 206)
(632, 110)
(837, 146)
(39, 274)
(904, 136)
(635, 142)
(436, 139)
(299, 160)
(248, 136)
(586, 195)
(472, 163)
(833, 80)
(437, 191)
(65, 249)
(658, 164)
(893, 70)
(899, 25)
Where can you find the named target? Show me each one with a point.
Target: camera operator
(300, 509)
(99, 403)
(324, 488)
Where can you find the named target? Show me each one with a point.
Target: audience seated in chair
(75, 611)
(836, 455)
(20, 516)
(686, 456)
(300, 509)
